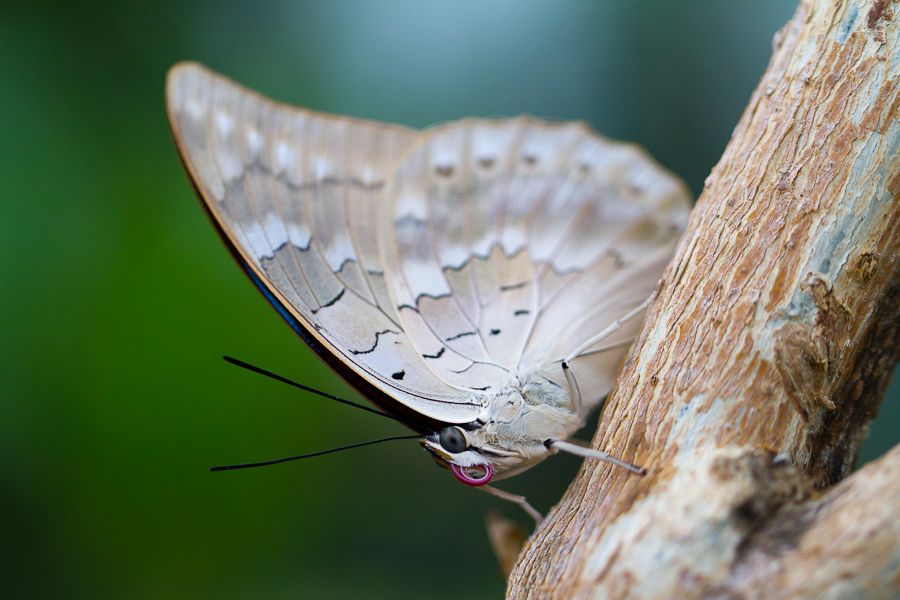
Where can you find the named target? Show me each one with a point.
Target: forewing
(300, 196)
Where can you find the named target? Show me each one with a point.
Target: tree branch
(843, 543)
(766, 355)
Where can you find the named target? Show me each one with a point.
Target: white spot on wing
(454, 255)
(411, 205)
(255, 235)
(254, 142)
(424, 278)
(368, 176)
(323, 168)
(224, 123)
(491, 141)
(194, 110)
(284, 157)
(338, 250)
(299, 235)
(230, 166)
(266, 237)
(513, 238)
(228, 159)
(482, 246)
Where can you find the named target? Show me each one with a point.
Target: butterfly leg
(520, 500)
(574, 391)
(579, 450)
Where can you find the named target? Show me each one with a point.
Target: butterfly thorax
(519, 418)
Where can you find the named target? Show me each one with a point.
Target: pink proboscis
(462, 474)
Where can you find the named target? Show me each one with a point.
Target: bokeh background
(118, 300)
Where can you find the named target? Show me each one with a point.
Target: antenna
(275, 461)
(245, 365)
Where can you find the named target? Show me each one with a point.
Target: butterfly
(478, 281)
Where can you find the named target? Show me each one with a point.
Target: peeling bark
(765, 357)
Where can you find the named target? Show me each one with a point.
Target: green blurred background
(118, 299)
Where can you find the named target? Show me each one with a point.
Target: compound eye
(452, 439)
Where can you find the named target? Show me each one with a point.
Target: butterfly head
(510, 438)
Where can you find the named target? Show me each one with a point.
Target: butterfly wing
(298, 197)
(516, 241)
(431, 268)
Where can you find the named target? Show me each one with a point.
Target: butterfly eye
(452, 440)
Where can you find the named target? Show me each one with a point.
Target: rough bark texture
(765, 357)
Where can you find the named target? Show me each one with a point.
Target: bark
(765, 357)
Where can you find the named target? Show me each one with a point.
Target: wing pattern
(436, 265)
